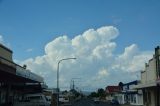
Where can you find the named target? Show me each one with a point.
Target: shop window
(132, 96)
(149, 97)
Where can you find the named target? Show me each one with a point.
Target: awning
(9, 74)
(146, 85)
(13, 78)
(27, 74)
(129, 92)
(24, 88)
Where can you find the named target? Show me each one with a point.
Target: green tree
(101, 93)
(93, 94)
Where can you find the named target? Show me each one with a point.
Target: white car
(96, 100)
(38, 99)
(48, 98)
(63, 99)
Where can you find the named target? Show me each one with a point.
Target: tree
(101, 93)
(76, 93)
(64, 92)
(93, 94)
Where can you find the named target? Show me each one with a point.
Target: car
(49, 98)
(96, 100)
(63, 99)
(114, 102)
(37, 99)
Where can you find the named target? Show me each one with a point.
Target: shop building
(15, 80)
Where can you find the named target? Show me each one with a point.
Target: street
(89, 102)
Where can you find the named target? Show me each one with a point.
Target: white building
(129, 95)
(150, 81)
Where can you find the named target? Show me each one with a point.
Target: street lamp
(58, 77)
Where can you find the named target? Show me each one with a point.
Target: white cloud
(29, 50)
(132, 59)
(96, 62)
(1, 39)
(3, 42)
(103, 72)
(129, 52)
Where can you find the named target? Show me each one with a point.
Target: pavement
(129, 105)
(89, 102)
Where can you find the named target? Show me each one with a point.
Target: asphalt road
(89, 102)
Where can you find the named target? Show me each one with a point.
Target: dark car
(114, 102)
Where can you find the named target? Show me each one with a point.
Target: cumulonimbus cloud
(94, 50)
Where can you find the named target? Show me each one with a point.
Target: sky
(110, 38)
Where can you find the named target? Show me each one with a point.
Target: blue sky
(27, 26)
(32, 23)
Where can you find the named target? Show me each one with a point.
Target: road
(89, 102)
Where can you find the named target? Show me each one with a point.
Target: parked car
(63, 99)
(38, 99)
(114, 102)
(48, 98)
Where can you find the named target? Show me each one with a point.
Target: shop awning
(146, 85)
(11, 73)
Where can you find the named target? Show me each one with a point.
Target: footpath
(129, 105)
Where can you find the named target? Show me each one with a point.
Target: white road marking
(92, 105)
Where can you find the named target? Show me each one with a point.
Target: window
(134, 98)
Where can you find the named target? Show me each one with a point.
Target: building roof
(112, 89)
(131, 83)
(2, 46)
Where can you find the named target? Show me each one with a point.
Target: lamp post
(58, 77)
